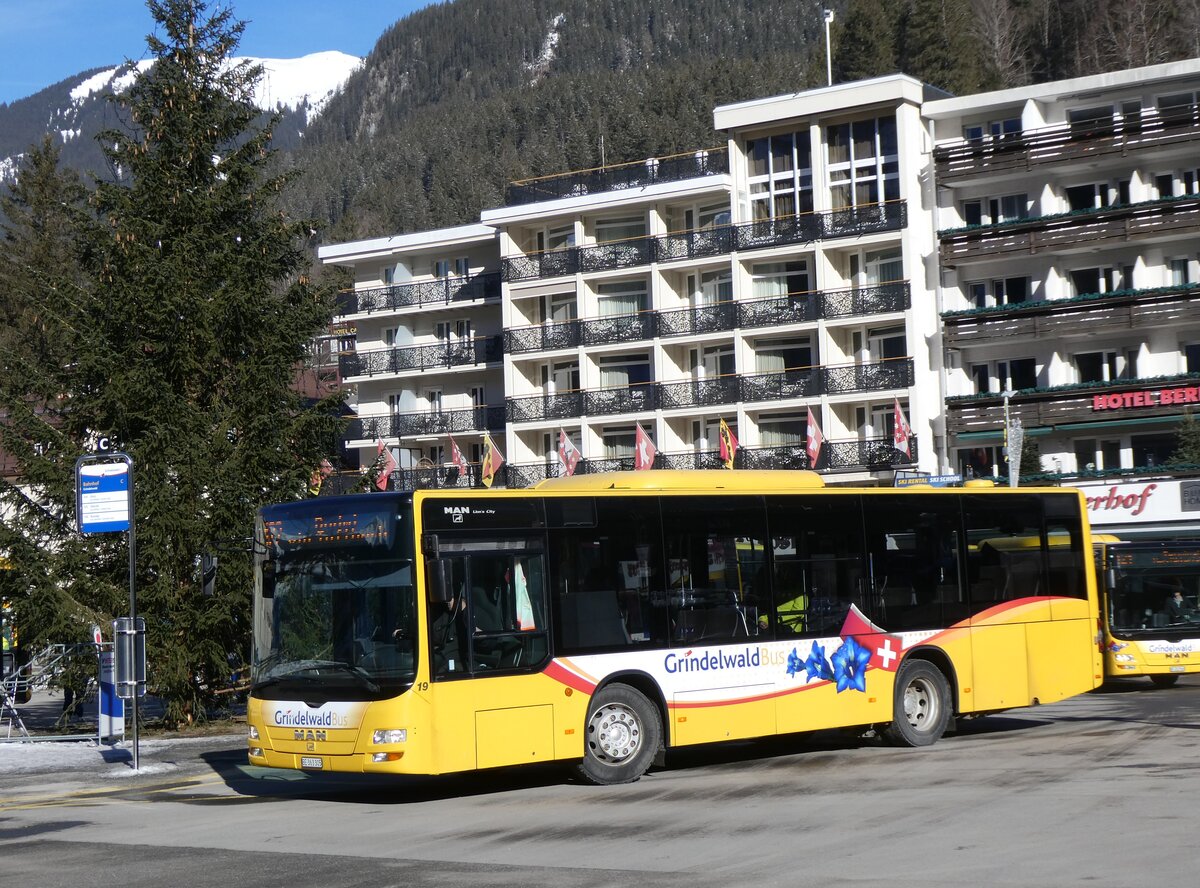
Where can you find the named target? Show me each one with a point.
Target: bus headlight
(395, 735)
(1123, 658)
(256, 752)
(253, 733)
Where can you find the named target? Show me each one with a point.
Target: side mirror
(268, 579)
(1110, 579)
(436, 583)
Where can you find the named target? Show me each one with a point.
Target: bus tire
(921, 706)
(1164, 681)
(621, 736)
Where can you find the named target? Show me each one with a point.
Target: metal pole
(828, 51)
(133, 608)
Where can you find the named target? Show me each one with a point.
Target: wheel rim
(614, 733)
(921, 704)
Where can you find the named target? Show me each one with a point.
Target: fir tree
(1187, 442)
(866, 42)
(940, 45)
(194, 321)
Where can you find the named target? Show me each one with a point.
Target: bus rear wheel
(921, 707)
(621, 736)
(1164, 681)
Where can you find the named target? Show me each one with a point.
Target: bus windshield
(1153, 587)
(335, 602)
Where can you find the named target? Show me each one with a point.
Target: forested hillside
(458, 99)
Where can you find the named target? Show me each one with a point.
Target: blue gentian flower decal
(850, 666)
(794, 664)
(816, 665)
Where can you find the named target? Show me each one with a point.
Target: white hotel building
(847, 248)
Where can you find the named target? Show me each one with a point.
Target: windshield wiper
(356, 671)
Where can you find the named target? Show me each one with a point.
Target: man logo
(456, 513)
(308, 735)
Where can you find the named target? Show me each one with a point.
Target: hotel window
(1088, 122)
(1097, 195)
(621, 298)
(441, 268)
(994, 210)
(619, 443)
(620, 371)
(1177, 101)
(864, 163)
(559, 238)
(712, 361)
(1191, 357)
(784, 430)
(1105, 279)
(624, 228)
(874, 267)
(711, 287)
(1103, 366)
(1004, 376)
(1003, 291)
(560, 377)
(1010, 126)
(1153, 450)
(389, 275)
(781, 179)
(770, 279)
(982, 462)
(462, 266)
(778, 355)
(877, 422)
(559, 308)
(1179, 271)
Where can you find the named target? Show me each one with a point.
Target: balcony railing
(445, 422)
(715, 318)
(1066, 143)
(542, 337)
(483, 350)
(802, 229)
(699, 392)
(1056, 405)
(442, 291)
(789, 384)
(421, 478)
(638, 174)
(859, 454)
(1119, 311)
(1096, 229)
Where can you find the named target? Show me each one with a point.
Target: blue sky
(45, 41)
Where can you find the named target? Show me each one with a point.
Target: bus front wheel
(621, 736)
(921, 708)
(1164, 681)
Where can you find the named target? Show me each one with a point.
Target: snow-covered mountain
(74, 110)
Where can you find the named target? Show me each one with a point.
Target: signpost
(104, 504)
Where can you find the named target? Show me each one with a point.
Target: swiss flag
(644, 450)
(886, 649)
(815, 440)
(567, 452)
(901, 432)
(456, 458)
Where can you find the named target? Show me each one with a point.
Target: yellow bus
(1150, 603)
(603, 619)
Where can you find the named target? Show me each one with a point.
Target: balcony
(483, 350)
(444, 291)
(868, 454)
(638, 174)
(803, 229)
(718, 317)
(1072, 404)
(808, 382)
(446, 422)
(1092, 229)
(1090, 315)
(424, 478)
(1065, 144)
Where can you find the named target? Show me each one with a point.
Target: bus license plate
(1178, 668)
(311, 761)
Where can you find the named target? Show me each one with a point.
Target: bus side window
(912, 541)
(1065, 556)
(607, 579)
(816, 545)
(715, 547)
(1007, 549)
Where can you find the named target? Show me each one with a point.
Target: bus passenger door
(487, 643)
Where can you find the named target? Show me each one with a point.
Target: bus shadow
(250, 782)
